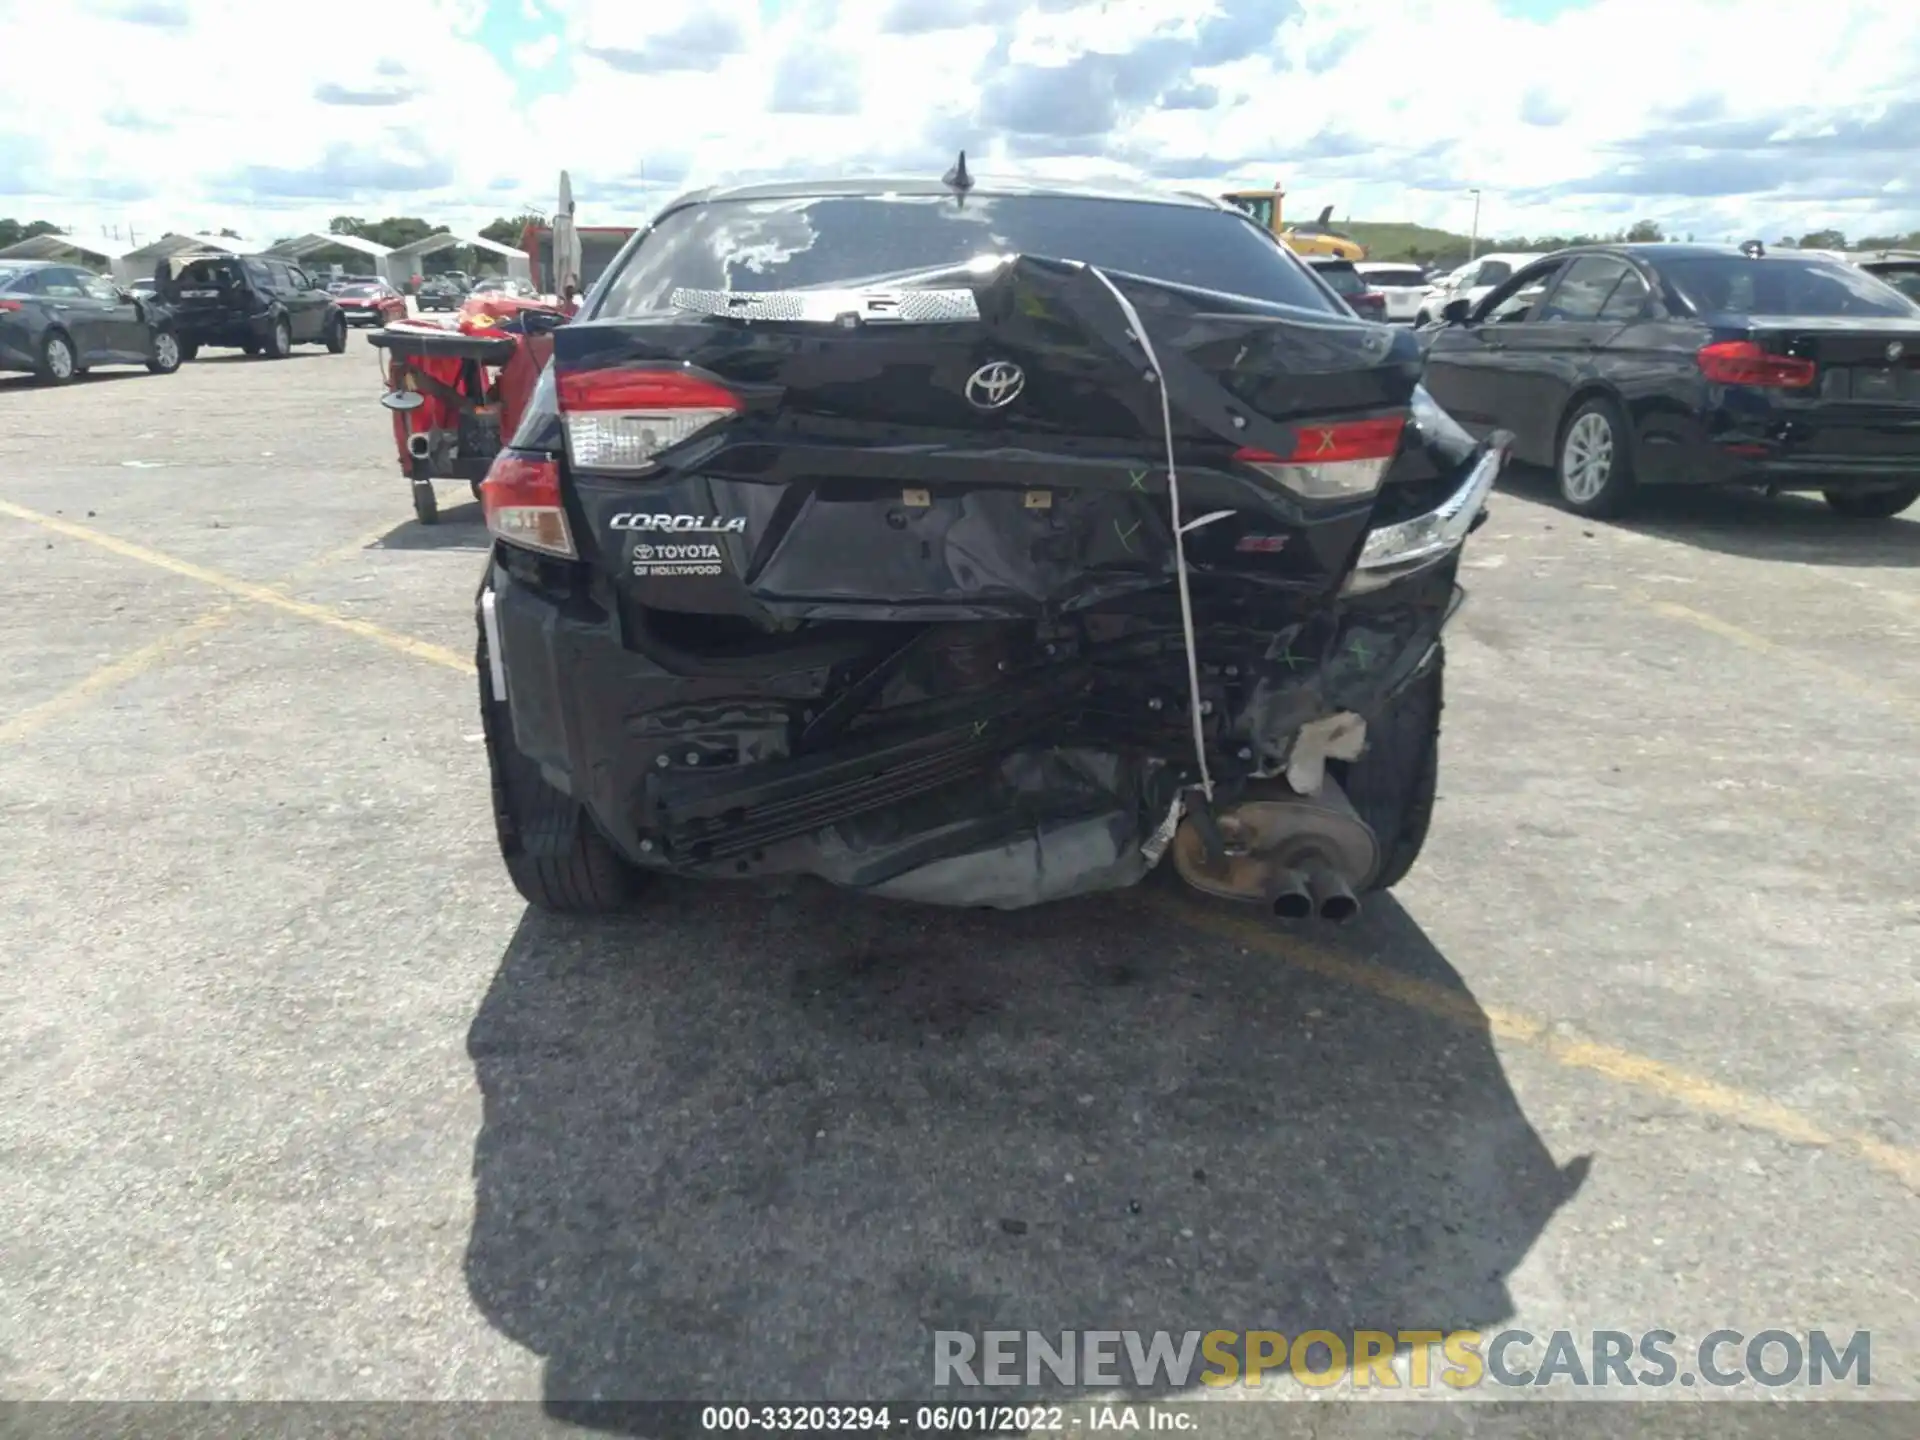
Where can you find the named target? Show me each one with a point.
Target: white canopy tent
(95, 255)
(302, 246)
(406, 259)
(140, 262)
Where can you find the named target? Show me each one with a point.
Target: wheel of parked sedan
(1594, 466)
(554, 856)
(336, 336)
(280, 341)
(166, 353)
(1882, 504)
(57, 365)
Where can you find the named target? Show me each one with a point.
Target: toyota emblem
(1896, 350)
(996, 384)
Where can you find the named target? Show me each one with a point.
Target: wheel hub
(1586, 460)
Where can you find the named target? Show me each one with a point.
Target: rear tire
(426, 505)
(336, 336)
(167, 355)
(1593, 461)
(58, 361)
(189, 350)
(279, 340)
(1874, 504)
(1393, 783)
(556, 859)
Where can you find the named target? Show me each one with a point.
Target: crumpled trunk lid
(1005, 458)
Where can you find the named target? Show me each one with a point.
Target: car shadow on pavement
(460, 527)
(1792, 529)
(24, 381)
(760, 1142)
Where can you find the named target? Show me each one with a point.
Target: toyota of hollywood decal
(674, 558)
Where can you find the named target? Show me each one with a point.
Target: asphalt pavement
(298, 1100)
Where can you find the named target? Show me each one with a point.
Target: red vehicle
(456, 391)
(371, 304)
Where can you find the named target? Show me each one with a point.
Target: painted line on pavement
(244, 589)
(1643, 1072)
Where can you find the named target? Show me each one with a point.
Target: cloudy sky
(1721, 117)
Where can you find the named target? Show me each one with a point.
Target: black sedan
(58, 321)
(440, 294)
(1627, 365)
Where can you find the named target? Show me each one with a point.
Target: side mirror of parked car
(1456, 312)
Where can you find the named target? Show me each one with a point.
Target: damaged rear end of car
(971, 548)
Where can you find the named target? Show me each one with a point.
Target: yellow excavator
(1317, 237)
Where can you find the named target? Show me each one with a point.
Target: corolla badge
(1896, 350)
(996, 384)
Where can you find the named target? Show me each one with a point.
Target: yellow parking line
(1749, 640)
(78, 695)
(1696, 1092)
(244, 589)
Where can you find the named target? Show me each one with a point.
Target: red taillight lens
(1332, 462)
(521, 499)
(619, 420)
(9, 304)
(1741, 362)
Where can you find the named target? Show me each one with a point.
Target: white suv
(1403, 283)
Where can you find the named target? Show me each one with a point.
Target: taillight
(1332, 462)
(521, 499)
(619, 420)
(1741, 362)
(9, 304)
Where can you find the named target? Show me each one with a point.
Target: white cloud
(1721, 116)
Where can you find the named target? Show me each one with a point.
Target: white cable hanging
(1179, 531)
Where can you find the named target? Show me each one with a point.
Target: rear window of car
(1398, 278)
(207, 272)
(1344, 279)
(826, 240)
(1781, 285)
(1904, 278)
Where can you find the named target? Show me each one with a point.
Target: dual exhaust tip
(1309, 894)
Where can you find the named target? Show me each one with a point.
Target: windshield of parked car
(813, 241)
(1493, 272)
(1782, 285)
(9, 274)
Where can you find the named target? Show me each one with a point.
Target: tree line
(393, 232)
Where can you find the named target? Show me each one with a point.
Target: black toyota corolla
(975, 544)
